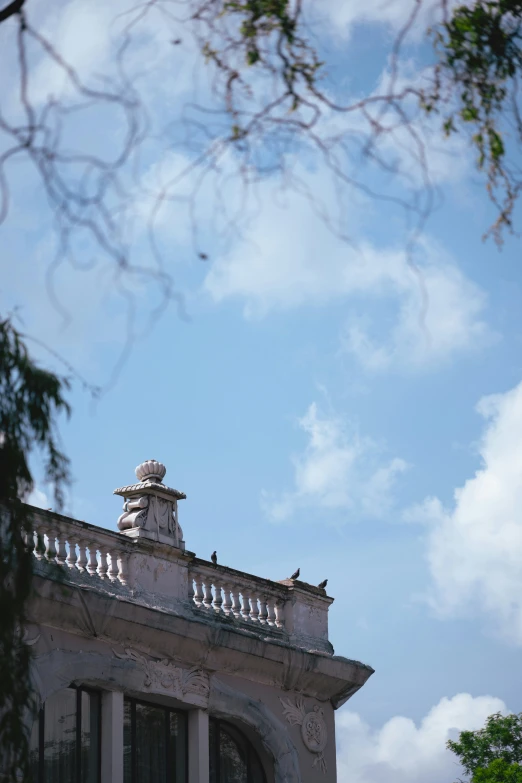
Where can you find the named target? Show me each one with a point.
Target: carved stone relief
(165, 675)
(313, 728)
(150, 513)
(150, 507)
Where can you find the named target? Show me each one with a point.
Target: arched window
(232, 757)
(154, 743)
(65, 743)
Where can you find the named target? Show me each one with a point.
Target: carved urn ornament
(151, 470)
(150, 509)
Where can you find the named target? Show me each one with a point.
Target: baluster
(103, 565)
(254, 611)
(218, 599)
(279, 614)
(72, 557)
(29, 540)
(236, 606)
(208, 599)
(263, 611)
(271, 612)
(190, 589)
(227, 603)
(50, 552)
(92, 565)
(246, 605)
(198, 595)
(82, 559)
(123, 564)
(61, 555)
(40, 543)
(113, 568)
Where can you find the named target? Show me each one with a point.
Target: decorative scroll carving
(165, 675)
(134, 513)
(313, 728)
(151, 513)
(150, 508)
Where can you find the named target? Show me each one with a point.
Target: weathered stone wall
(261, 710)
(135, 613)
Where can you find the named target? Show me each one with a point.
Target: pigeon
(296, 574)
(323, 584)
(213, 557)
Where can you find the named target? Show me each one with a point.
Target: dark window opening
(154, 744)
(66, 738)
(232, 757)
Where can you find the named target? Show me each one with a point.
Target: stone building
(153, 665)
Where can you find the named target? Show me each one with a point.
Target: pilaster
(198, 746)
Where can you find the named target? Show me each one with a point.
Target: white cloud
(394, 14)
(402, 752)
(440, 316)
(87, 34)
(475, 548)
(336, 471)
(418, 148)
(292, 259)
(411, 144)
(83, 320)
(38, 498)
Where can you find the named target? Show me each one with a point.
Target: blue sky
(311, 415)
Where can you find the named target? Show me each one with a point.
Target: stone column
(197, 746)
(112, 737)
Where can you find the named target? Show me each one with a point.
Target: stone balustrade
(234, 594)
(173, 579)
(80, 547)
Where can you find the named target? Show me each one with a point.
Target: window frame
(169, 710)
(219, 724)
(78, 732)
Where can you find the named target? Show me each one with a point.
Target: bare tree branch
(11, 9)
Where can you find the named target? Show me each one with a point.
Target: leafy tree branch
(31, 399)
(492, 754)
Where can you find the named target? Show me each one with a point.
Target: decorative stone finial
(151, 470)
(150, 509)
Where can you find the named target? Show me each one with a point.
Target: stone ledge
(209, 645)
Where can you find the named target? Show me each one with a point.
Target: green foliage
(30, 399)
(499, 771)
(479, 61)
(475, 79)
(265, 34)
(261, 18)
(492, 754)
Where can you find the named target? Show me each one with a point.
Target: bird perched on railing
(322, 585)
(213, 557)
(295, 575)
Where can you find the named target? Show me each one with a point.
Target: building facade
(152, 665)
